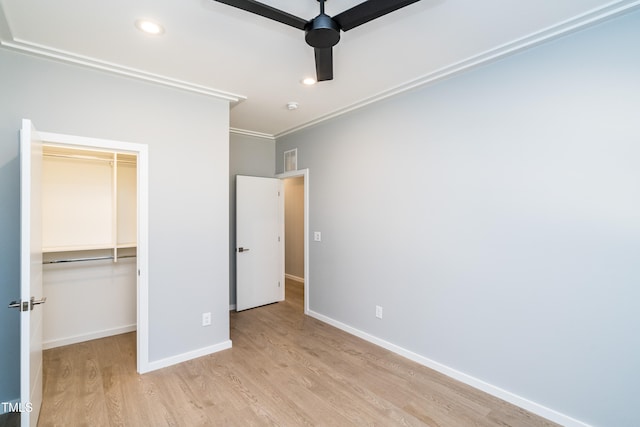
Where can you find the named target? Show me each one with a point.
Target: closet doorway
(95, 227)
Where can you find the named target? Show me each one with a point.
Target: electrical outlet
(317, 236)
(206, 319)
(378, 312)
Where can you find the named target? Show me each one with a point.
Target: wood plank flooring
(285, 369)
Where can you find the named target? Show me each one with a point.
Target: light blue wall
(496, 218)
(248, 155)
(9, 252)
(188, 138)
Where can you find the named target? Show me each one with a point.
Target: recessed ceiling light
(292, 105)
(309, 81)
(149, 27)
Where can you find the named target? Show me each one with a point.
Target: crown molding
(610, 10)
(573, 24)
(49, 52)
(252, 133)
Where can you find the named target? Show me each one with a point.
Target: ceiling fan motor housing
(322, 32)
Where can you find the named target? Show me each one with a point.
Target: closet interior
(89, 233)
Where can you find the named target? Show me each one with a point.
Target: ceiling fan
(323, 31)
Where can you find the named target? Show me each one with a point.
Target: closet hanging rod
(82, 157)
(96, 258)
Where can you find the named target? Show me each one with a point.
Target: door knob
(27, 305)
(23, 305)
(36, 302)
(19, 305)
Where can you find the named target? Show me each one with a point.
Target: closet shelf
(126, 245)
(87, 248)
(76, 248)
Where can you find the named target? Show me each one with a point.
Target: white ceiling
(257, 63)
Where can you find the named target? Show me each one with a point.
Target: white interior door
(259, 241)
(30, 275)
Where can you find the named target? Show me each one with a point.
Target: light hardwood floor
(285, 369)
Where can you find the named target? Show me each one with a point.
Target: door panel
(259, 241)
(30, 274)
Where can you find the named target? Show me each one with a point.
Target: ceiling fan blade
(267, 12)
(324, 64)
(368, 11)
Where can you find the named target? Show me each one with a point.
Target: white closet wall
(127, 199)
(89, 211)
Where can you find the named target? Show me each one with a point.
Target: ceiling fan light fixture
(149, 27)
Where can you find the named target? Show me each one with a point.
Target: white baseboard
(59, 342)
(179, 358)
(498, 392)
(294, 278)
(12, 402)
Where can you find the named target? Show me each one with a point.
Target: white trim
(573, 24)
(232, 307)
(252, 133)
(142, 151)
(294, 278)
(50, 52)
(143, 260)
(97, 143)
(87, 337)
(304, 173)
(281, 253)
(179, 358)
(493, 390)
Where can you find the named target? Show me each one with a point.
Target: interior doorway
(296, 185)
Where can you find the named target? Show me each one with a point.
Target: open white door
(259, 241)
(30, 275)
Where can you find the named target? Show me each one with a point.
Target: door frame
(142, 152)
(305, 174)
